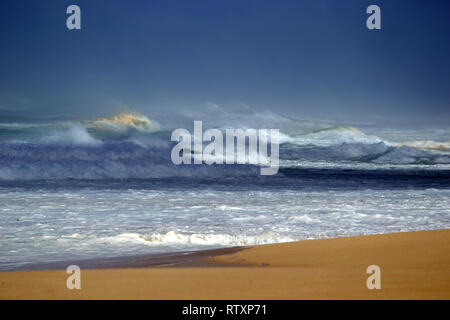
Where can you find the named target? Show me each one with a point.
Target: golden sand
(414, 265)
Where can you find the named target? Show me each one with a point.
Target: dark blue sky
(306, 58)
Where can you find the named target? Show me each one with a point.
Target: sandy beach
(414, 265)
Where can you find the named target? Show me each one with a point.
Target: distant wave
(426, 144)
(18, 126)
(332, 136)
(125, 120)
(127, 159)
(408, 155)
(133, 146)
(376, 153)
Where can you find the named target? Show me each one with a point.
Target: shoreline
(414, 265)
(177, 259)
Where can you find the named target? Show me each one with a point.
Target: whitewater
(106, 187)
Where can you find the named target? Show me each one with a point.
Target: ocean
(89, 189)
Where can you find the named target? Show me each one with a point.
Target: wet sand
(414, 265)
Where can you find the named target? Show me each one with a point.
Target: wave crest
(427, 144)
(134, 120)
(182, 238)
(332, 136)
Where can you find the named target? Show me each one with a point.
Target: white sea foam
(333, 136)
(56, 224)
(70, 151)
(202, 239)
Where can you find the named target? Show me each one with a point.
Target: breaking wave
(133, 146)
(124, 121)
(426, 144)
(332, 136)
(377, 153)
(204, 239)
